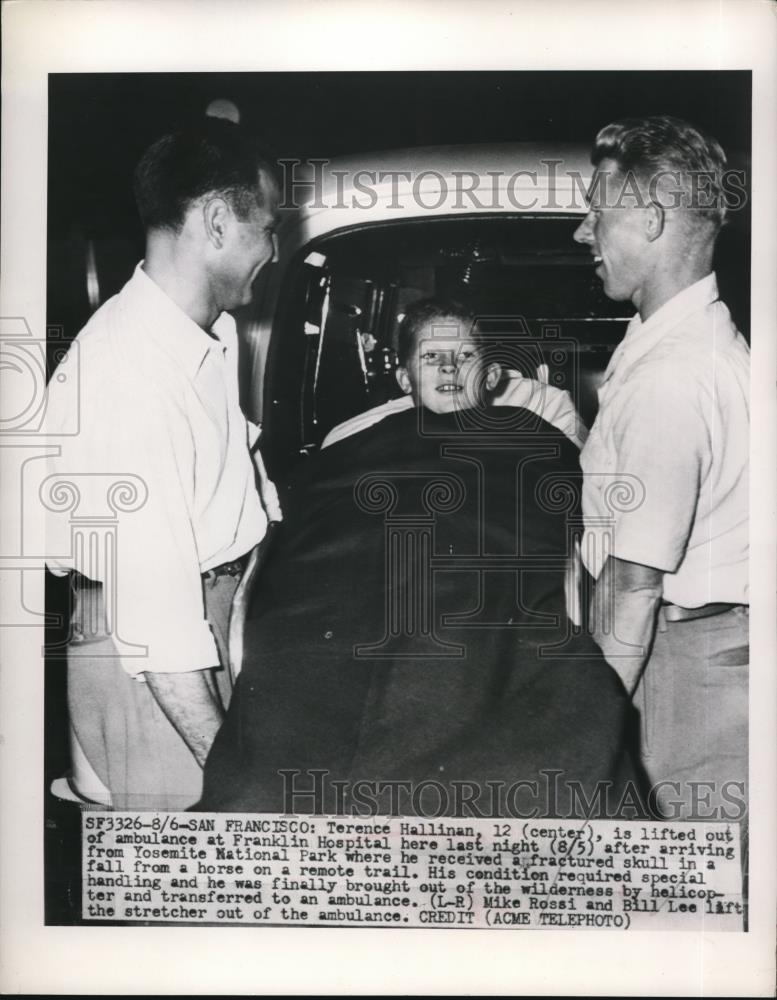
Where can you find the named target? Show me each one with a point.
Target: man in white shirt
(159, 406)
(665, 498)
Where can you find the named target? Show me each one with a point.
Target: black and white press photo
(466, 568)
(388, 440)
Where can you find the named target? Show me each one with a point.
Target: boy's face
(447, 371)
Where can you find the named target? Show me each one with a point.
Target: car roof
(419, 182)
(505, 156)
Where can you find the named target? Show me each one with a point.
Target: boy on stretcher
(407, 645)
(512, 388)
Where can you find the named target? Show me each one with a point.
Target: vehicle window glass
(333, 352)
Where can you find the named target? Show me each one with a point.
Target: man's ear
(654, 221)
(215, 214)
(493, 374)
(403, 380)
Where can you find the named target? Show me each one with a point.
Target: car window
(333, 347)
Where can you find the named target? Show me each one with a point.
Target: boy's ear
(403, 380)
(493, 374)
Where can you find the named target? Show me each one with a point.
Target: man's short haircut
(666, 155)
(420, 313)
(213, 157)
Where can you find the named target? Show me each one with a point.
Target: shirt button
(328, 634)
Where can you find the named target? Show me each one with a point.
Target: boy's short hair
(420, 313)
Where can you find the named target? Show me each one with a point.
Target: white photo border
(47, 36)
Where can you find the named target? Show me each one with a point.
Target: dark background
(100, 124)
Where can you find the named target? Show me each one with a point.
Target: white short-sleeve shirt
(158, 407)
(665, 467)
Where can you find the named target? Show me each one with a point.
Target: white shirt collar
(175, 332)
(641, 336)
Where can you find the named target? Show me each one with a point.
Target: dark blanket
(403, 632)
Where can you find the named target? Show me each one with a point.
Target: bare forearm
(191, 703)
(626, 601)
(267, 489)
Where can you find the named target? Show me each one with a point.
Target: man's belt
(225, 569)
(87, 621)
(674, 613)
(235, 568)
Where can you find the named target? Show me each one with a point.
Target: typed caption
(202, 868)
